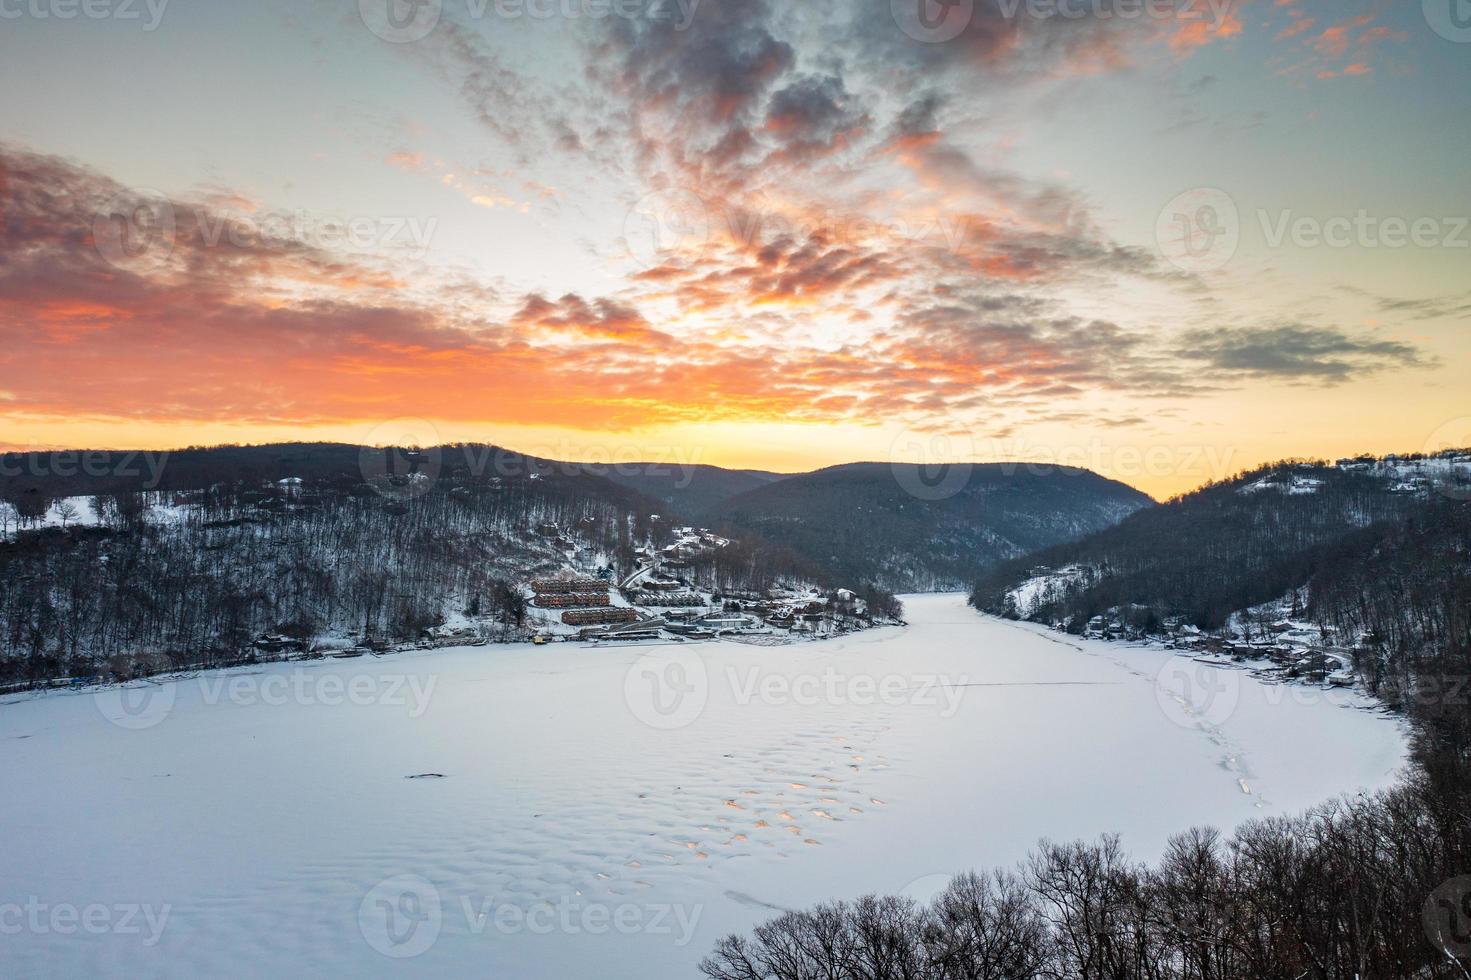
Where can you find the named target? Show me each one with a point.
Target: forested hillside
(193, 576)
(1404, 589)
(688, 491)
(1374, 553)
(912, 530)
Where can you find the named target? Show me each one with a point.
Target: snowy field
(610, 813)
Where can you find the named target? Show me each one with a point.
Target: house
(600, 617)
(628, 633)
(573, 600)
(560, 586)
(725, 622)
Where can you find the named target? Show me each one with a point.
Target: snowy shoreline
(690, 791)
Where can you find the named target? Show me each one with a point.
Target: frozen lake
(611, 812)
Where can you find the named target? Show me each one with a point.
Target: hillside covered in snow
(117, 565)
(111, 569)
(1358, 570)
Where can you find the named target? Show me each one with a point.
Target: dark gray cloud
(1301, 352)
(1455, 306)
(714, 73)
(813, 114)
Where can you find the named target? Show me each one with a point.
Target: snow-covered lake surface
(610, 812)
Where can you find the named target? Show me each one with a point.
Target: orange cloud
(1192, 34)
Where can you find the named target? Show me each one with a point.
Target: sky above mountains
(1163, 240)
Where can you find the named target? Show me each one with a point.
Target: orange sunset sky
(1164, 247)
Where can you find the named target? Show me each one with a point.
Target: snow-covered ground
(610, 812)
(85, 511)
(1039, 588)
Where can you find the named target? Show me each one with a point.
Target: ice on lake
(564, 811)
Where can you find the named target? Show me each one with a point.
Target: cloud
(602, 319)
(1452, 306)
(1294, 351)
(272, 331)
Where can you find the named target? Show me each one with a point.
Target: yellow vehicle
(539, 640)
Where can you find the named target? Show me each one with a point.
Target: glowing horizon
(1167, 248)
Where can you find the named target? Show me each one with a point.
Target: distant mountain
(1242, 542)
(689, 492)
(908, 527)
(75, 473)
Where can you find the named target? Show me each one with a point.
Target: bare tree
(66, 512)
